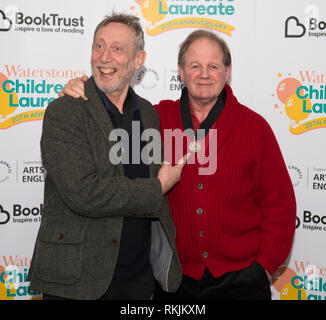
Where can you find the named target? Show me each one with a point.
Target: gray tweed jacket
(85, 200)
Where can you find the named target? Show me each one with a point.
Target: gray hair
(129, 20)
(199, 34)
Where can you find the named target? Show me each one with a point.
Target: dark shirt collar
(130, 106)
(131, 99)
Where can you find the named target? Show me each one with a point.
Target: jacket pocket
(59, 254)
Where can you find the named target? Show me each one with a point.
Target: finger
(69, 92)
(75, 88)
(184, 159)
(84, 97)
(76, 84)
(84, 78)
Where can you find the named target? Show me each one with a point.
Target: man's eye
(117, 49)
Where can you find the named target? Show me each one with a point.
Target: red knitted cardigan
(243, 212)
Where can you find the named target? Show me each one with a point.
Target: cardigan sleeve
(276, 199)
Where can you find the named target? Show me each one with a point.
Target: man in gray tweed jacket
(106, 229)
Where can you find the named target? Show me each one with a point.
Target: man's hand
(75, 88)
(169, 175)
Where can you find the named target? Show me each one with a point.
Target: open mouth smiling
(107, 71)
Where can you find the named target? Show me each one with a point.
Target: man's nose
(106, 55)
(204, 72)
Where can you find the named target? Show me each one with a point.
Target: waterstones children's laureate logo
(13, 279)
(166, 15)
(26, 92)
(304, 281)
(303, 100)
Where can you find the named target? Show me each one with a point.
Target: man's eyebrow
(104, 39)
(118, 42)
(197, 62)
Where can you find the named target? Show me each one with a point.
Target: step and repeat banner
(279, 70)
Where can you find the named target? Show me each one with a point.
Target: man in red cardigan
(234, 223)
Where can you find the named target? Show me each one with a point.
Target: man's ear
(181, 73)
(140, 59)
(228, 73)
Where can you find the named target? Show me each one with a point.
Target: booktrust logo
(313, 26)
(164, 12)
(4, 215)
(5, 23)
(12, 18)
(21, 214)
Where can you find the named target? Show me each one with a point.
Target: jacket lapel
(147, 123)
(97, 110)
(99, 114)
(95, 106)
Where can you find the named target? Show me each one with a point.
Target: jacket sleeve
(71, 165)
(275, 196)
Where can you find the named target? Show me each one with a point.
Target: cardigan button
(201, 234)
(200, 186)
(205, 255)
(200, 211)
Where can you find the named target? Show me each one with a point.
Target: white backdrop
(278, 71)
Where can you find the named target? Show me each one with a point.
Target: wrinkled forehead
(204, 48)
(116, 31)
